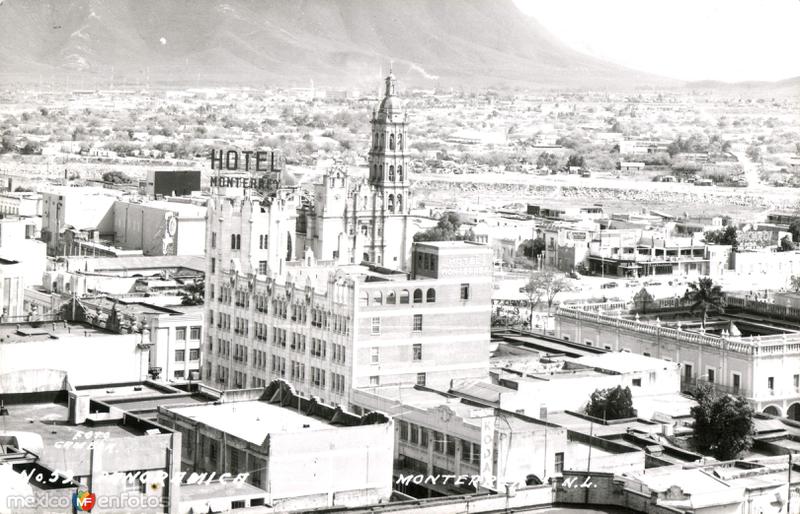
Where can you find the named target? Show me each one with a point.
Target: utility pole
(789, 496)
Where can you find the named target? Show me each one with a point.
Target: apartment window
(374, 380)
(213, 240)
(421, 379)
(796, 381)
(737, 382)
(262, 267)
(710, 374)
(236, 241)
(559, 464)
(438, 442)
(263, 242)
(451, 446)
(417, 323)
(417, 352)
(180, 355)
(465, 291)
(376, 326)
(194, 333)
(194, 354)
(180, 333)
(403, 431)
(213, 265)
(179, 374)
(413, 434)
(423, 437)
(637, 382)
(212, 452)
(771, 383)
(374, 355)
(687, 372)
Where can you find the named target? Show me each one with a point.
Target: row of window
(422, 379)
(416, 324)
(379, 141)
(180, 355)
(194, 333)
(297, 312)
(392, 298)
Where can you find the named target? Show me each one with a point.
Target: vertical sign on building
(487, 452)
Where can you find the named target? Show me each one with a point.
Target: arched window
(417, 295)
(364, 230)
(399, 141)
(391, 141)
(404, 296)
(380, 175)
(391, 173)
(365, 257)
(383, 144)
(400, 173)
(391, 203)
(399, 203)
(377, 298)
(363, 299)
(374, 170)
(391, 298)
(431, 295)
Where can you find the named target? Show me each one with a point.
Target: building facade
(764, 369)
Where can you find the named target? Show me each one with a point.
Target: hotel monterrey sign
(266, 163)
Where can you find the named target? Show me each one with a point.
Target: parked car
(575, 275)
(609, 285)
(652, 283)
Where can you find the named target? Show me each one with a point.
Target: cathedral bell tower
(388, 162)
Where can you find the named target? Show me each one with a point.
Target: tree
(705, 296)
(724, 236)
(723, 424)
(534, 292)
(9, 142)
(576, 160)
(446, 229)
(786, 244)
(612, 403)
(642, 299)
(532, 248)
(547, 160)
(795, 281)
(753, 152)
(794, 229)
(194, 293)
(116, 177)
(549, 283)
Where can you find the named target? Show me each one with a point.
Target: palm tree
(705, 296)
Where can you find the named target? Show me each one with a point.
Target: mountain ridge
(478, 43)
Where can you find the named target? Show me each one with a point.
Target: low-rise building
(43, 356)
(56, 442)
(441, 434)
(302, 454)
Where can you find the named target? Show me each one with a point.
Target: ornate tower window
(391, 141)
(391, 173)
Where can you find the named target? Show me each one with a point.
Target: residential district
(250, 332)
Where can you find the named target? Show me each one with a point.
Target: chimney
(78, 407)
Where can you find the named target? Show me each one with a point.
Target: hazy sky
(729, 40)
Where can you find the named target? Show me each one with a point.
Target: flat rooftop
(251, 421)
(49, 421)
(624, 362)
(186, 210)
(42, 331)
(584, 426)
